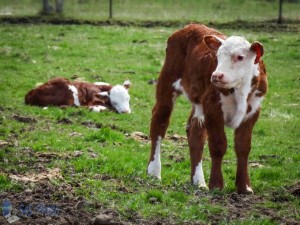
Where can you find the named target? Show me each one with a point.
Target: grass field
(96, 162)
(95, 153)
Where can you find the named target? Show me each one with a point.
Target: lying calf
(97, 96)
(225, 81)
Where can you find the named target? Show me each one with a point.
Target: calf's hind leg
(165, 97)
(159, 123)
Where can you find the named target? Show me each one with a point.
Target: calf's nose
(217, 76)
(126, 111)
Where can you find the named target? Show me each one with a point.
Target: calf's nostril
(217, 76)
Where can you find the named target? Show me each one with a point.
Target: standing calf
(225, 80)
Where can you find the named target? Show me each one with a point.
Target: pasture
(92, 166)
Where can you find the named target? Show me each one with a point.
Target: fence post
(110, 9)
(46, 8)
(59, 6)
(280, 12)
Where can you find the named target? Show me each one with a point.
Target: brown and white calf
(225, 80)
(97, 96)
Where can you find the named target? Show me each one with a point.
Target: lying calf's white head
(119, 97)
(237, 60)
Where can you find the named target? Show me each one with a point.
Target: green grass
(111, 169)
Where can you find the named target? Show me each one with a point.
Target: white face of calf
(237, 60)
(119, 97)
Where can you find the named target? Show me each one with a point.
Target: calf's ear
(258, 49)
(127, 84)
(213, 42)
(103, 97)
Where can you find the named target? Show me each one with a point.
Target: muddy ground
(45, 203)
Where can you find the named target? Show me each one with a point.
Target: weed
(154, 197)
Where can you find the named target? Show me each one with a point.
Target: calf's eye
(240, 58)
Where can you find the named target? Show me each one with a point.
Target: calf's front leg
(242, 142)
(217, 143)
(97, 108)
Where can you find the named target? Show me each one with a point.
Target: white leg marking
(249, 190)
(102, 83)
(97, 108)
(75, 94)
(199, 113)
(198, 178)
(154, 167)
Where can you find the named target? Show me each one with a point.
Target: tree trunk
(59, 6)
(47, 9)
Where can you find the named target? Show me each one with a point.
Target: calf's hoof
(158, 177)
(202, 187)
(216, 185)
(153, 171)
(200, 184)
(246, 191)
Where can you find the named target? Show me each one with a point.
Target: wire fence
(163, 10)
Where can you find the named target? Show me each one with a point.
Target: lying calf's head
(119, 97)
(237, 60)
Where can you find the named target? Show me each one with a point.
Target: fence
(163, 10)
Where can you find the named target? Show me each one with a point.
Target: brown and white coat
(225, 81)
(97, 96)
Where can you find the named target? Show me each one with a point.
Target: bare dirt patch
(64, 121)
(239, 207)
(45, 203)
(295, 190)
(49, 174)
(24, 119)
(3, 143)
(142, 137)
